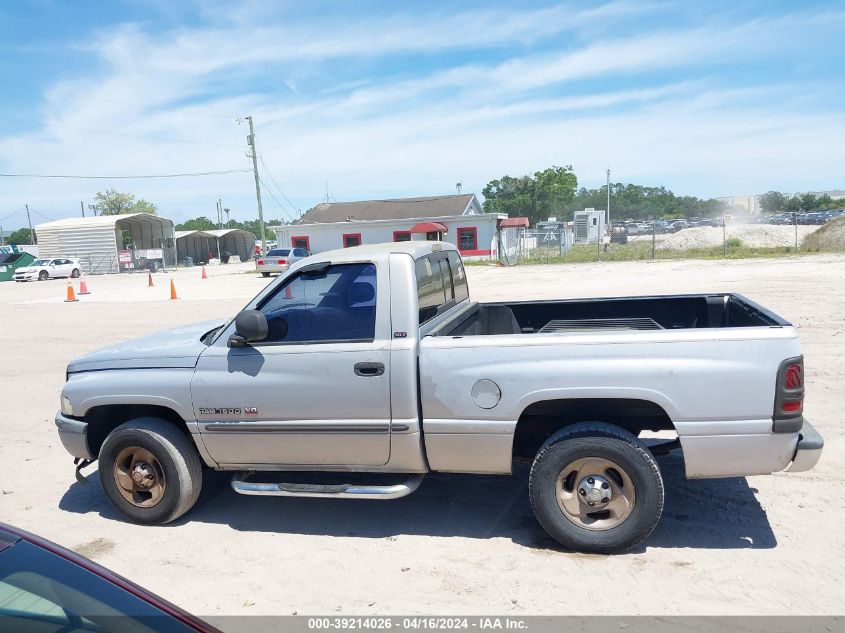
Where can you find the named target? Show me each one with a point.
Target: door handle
(369, 369)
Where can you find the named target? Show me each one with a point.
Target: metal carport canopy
(95, 239)
(237, 241)
(196, 245)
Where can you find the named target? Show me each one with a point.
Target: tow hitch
(81, 463)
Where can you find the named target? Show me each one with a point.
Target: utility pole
(29, 221)
(251, 140)
(608, 196)
(82, 206)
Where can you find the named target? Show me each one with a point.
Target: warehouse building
(110, 243)
(458, 219)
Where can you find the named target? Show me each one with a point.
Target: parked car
(42, 269)
(677, 225)
(619, 234)
(376, 360)
(279, 260)
(45, 587)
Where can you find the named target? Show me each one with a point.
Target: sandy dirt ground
(461, 544)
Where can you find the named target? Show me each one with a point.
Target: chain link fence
(696, 238)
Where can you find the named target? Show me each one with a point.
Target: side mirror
(250, 326)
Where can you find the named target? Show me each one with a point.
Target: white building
(458, 219)
(743, 205)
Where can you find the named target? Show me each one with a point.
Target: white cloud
(547, 100)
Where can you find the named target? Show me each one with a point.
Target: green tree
(113, 202)
(21, 236)
(537, 197)
(772, 202)
(792, 205)
(638, 202)
(201, 223)
(809, 202)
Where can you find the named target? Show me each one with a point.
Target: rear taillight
(793, 376)
(260, 262)
(789, 396)
(282, 261)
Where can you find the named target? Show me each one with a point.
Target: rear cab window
(441, 284)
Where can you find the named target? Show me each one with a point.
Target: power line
(275, 199)
(269, 173)
(199, 173)
(126, 134)
(125, 103)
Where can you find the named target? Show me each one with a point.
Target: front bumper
(25, 276)
(74, 436)
(809, 449)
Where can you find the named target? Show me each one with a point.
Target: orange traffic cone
(173, 290)
(71, 296)
(83, 286)
(204, 276)
(150, 279)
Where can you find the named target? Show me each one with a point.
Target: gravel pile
(753, 235)
(830, 237)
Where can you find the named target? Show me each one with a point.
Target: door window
(334, 304)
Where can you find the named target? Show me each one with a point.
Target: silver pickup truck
(374, 361)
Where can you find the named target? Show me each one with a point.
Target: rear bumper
(74, 436)
(272, 269)
(809, 449)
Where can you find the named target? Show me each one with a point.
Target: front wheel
(43, 275)
(596, 488)
(150, 471)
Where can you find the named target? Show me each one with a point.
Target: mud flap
(80, 464)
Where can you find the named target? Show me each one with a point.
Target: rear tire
(609, 458)
(265, 274)
(74, 273)
(158, 449)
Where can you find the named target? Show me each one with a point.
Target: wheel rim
(43, 275)
(596, 481)
(139, 477)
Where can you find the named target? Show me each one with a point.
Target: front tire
(151, 473)
(43, 275)
(596, 488)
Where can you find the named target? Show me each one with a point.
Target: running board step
(344, 491)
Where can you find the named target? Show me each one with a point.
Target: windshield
(279, 252)
(41, 262)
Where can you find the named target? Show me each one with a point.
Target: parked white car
(278, 260)
(42, 269)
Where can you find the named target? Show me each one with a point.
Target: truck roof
(413, 248)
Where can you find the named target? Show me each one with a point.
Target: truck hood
(179, 347)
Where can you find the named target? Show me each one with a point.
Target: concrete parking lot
(461, 544)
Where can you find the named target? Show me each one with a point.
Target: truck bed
(618, 313)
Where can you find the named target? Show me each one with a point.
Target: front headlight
(67, 407)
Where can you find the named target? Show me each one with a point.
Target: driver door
(316, 391)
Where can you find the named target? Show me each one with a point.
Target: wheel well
(541, 419)
(104, 419)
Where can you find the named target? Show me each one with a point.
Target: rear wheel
(151, 473)
(265, 274)
(74, 273)
(43, 275)
(596, 488)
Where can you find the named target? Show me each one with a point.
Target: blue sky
(383, 99)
